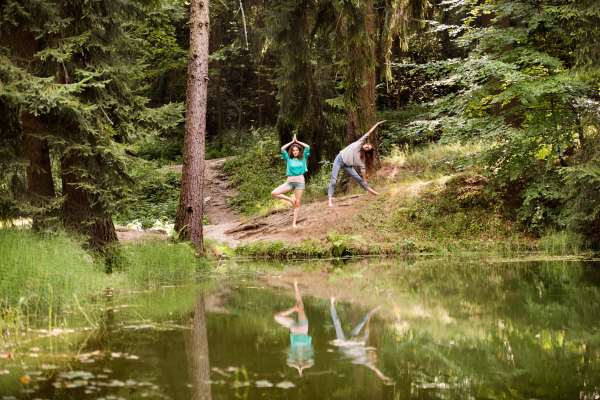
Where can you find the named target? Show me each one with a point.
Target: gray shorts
(295, 185)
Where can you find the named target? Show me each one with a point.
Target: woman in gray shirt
(354, 156)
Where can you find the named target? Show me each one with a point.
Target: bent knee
(274, 193)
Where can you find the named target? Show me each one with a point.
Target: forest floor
(315, 220)
(423, 206)
(316, 217)
(228, 227)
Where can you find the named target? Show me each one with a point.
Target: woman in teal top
(296, 158)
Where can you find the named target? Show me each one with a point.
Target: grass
(437, 203)
(42, 276)
(149, 263)
(280, 250)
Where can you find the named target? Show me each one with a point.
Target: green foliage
(279, 250)
(156, 148)
(398, 130)
(563, 243)
(155, 262)
(77, 78)
(43, 275)
(515, 93)
(344, 245)
(256, 173)
(155, 197)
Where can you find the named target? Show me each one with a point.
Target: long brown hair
(368, 157)
(300, 149)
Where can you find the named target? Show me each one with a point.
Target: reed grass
(149, 263)
(40, 275)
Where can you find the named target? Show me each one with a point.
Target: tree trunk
(361, 120)
(189, 214)
(259, 100)
(37, 152)
(196, 348)
(239, 123)
(78, 212)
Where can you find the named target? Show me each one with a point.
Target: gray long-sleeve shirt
(351, 154)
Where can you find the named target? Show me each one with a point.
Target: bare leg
(279, 193)
(381, 375)
(299, 305)
(297, 206)
(281, 318)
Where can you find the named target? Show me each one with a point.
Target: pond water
(446, 329)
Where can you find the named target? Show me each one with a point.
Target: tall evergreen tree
(190, 212)
(69, 78)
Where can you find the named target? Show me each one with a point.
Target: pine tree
(190, 212)
(69, 75)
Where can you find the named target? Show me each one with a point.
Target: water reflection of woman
(301, 354)
(353, 347)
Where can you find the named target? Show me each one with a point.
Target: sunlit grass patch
(148, 263)
(434, 160)
(41, 275)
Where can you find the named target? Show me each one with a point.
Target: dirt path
(216, 192)
(315, 219)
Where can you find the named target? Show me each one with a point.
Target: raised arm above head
(299, 142)
(285, 146)
(375, 126)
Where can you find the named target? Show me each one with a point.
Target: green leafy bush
(256, 173)
(155, 197)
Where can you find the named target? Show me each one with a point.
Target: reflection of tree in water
(196, 346)
(537, 342)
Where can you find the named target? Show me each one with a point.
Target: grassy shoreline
(436, 201)
(42, 276)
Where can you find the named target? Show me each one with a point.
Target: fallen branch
(246, 227)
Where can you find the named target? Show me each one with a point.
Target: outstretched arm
(375, 127)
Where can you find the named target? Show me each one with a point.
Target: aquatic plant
(39, 275)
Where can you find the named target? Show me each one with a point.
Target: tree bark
(78, 212)
(37, 152)
(259, 100)
(359, 121)
(196, 346)
(189, 214)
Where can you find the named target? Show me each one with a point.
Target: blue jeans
(337, 164)
(354, 332)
